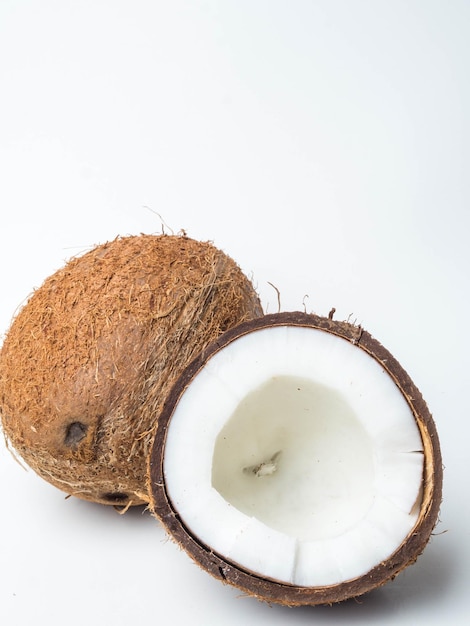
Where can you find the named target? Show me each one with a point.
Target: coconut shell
(269, 590)
(90, 358)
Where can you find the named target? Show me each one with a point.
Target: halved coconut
(296, 460)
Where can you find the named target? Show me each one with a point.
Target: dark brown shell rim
(269, 590)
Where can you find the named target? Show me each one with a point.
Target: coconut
(90, 358)
(296, 460)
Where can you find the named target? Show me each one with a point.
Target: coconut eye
(76, 431)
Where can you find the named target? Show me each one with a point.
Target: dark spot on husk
(76, 431)
(115, 497)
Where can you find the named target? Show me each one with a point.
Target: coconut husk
(90, 358)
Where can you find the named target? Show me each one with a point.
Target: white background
(323, 144)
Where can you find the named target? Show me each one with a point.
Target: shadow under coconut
(134, 516)
(421, 585)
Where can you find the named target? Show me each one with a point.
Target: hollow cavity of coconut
(296, 460)
(89, 360)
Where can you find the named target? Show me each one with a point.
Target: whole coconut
(89, 360)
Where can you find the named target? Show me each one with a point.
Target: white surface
(322, 144)
(340, 483)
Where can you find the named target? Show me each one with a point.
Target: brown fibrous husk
(269, 590)
(89, 359)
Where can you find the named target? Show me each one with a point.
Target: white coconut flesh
(294, 455)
